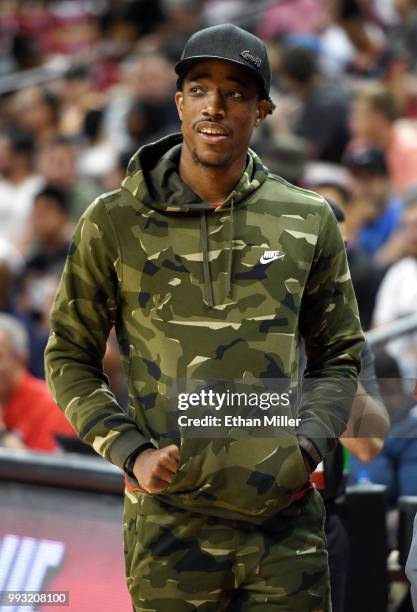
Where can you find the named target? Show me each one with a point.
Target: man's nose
(215, 106)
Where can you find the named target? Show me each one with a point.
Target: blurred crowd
(84, 84)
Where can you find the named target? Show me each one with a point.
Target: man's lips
(212, 132)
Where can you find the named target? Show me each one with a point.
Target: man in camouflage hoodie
(210, 268)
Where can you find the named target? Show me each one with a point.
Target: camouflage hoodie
(194, 293)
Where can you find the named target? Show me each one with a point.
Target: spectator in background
(98, 156)
(395, 465)
(155, 86)
(351, 14)
(381, 210)
(29, 418)
(141, 124)
(147, 81)
(403, 37)
(11, 264)
(18, 183)
(57, 163)
(37, 110)
(325, 104)
(397, 296)
(120, 102)
(375, 123)
(114, 179)
(366, 429)
(77, 95)
(184, 17)
(52, 230)
(334, 184)
(132, 19)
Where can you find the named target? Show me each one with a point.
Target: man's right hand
(155, 469)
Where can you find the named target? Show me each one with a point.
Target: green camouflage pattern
(138, 265)
(179, 561)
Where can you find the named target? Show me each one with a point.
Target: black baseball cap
(369, 159)
(229, 43)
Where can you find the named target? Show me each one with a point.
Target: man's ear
(179, 101)
(262, 111)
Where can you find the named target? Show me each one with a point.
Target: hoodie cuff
(125, 444)
(130, 461)
(317, 437)
(309, 449)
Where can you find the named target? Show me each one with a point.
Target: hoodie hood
(153, 178)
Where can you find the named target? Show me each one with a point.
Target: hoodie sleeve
(333, 337)
(84, 311)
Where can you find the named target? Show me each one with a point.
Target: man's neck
(212, 184)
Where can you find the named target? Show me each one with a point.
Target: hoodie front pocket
(253, 477)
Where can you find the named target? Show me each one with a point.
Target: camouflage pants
(178, 561)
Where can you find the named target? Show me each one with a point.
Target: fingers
(169, 460)
(173, 451)
(159, 472)
(156, 469)
(157, 486)
(159, 479)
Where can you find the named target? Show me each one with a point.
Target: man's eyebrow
(197, 76)
(239, 81)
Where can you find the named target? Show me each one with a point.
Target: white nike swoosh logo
(267, 258)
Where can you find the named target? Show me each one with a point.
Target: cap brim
(183, 66)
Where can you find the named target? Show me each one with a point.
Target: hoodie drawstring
(206, 264)
(230, 254)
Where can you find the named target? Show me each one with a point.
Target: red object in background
(72, 28)
(292, 17)
(106, 74)
(32, 412)
(35, 21)
(411, 110)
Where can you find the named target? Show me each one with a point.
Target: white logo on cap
(247, 55)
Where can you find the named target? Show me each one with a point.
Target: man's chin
(212, 160)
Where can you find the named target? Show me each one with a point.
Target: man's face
(365, 123)
(32, 110)
(219, 107)
(47, 219)
(56, 163)
(372, 188)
